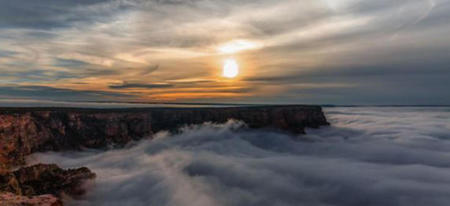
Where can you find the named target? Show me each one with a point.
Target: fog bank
(370, 156)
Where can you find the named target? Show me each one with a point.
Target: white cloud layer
(370, 156)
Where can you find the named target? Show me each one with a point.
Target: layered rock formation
(24, 131)
(27, 130)
(10, 199)
(43, 179)
(41, 184)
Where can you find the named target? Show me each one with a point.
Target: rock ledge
(41, 184)
(24, 131)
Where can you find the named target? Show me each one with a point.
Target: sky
(287, 51)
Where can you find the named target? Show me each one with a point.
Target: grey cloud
(243, 90)
(130, 85)
(52, 93)
(39, 34)
(44, 14)
(36, 75)
(7, 53)
(69, 63)
(149, 70)
(192, 82)
(88, 72)
(366, 7)
(363, 88)
(308, 13)
(193, 87)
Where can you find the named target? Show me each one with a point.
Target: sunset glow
(282, 51)
(225, 102)
(230, 68)
(237, 46)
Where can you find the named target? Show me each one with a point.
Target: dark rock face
(41, 185)
(24, 131)
(10, 199)
(42, 179)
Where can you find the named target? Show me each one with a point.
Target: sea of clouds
(369, 156)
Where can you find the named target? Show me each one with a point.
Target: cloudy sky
(288, 51)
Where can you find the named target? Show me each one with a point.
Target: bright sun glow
(237, 46)
(230, 68)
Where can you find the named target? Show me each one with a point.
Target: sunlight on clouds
(182, 96)
(339, 4)
(170, 53)
(237, 46)
(130, 58)
(334, 26)
(281, 43)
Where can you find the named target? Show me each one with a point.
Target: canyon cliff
(41, 185)
(27, 130)
(24, 131)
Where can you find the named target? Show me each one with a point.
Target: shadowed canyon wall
(27, 130)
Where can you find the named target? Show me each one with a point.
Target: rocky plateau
(24, 131)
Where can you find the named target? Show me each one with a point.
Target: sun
(230, 68)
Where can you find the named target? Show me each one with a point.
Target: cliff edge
(27, 130)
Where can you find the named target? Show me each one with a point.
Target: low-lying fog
(370, 156)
